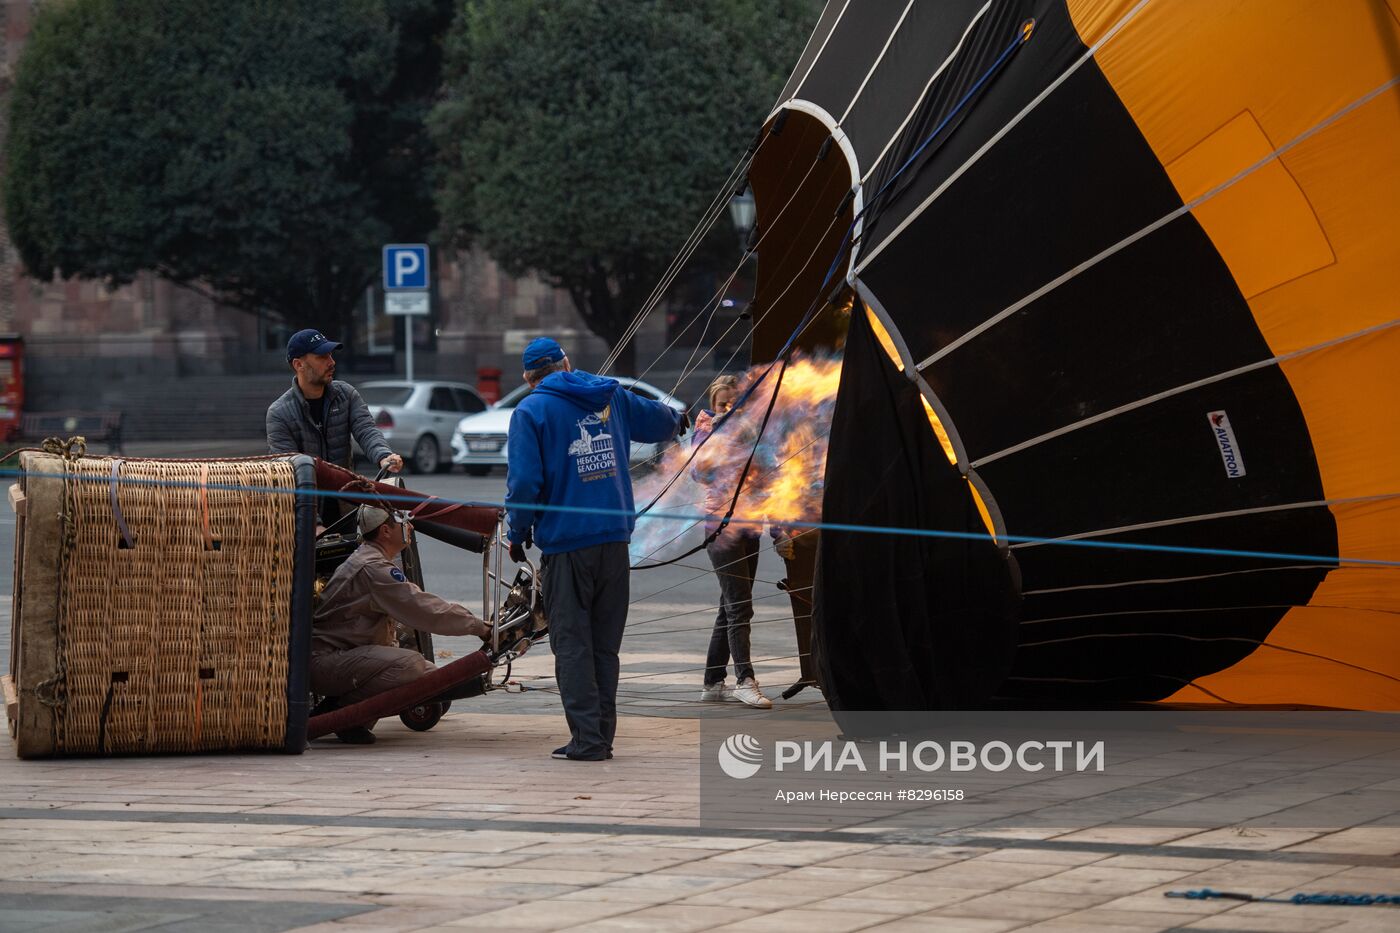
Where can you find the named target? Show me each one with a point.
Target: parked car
(417, 418)
(479, 443)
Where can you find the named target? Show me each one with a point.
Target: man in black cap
(319, 416)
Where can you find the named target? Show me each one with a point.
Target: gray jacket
(291, 430)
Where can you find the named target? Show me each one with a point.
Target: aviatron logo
(740, 756)
(1229, 447)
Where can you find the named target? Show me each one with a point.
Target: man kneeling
(354, 650)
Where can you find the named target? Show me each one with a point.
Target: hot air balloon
(1123, 278)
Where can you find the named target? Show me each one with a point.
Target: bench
(95, 426)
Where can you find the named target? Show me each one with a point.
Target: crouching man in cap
(568, 445)
(354, 649)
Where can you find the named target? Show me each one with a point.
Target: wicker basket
(161, 605)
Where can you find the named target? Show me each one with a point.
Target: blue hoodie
(568, 445)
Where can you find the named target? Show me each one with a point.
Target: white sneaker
(746, 691)
(713, 693)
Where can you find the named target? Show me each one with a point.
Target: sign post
(406, 289)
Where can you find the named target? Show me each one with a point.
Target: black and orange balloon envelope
(1125, 348)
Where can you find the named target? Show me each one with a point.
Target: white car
(479, 443)
(417, 418)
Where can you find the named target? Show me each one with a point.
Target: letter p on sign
(405, 266)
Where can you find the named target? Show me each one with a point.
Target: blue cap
(309, 341)
(542, 350)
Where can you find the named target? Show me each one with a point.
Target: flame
(785, 479)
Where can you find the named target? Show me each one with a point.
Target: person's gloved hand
(517, 552)
(785, 548)
(684, 424)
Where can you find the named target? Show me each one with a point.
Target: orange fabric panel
(1351, 642)
(1262, 225)
(1350, 395)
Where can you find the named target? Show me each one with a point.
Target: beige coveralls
(354, 652)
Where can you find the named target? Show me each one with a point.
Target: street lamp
(741, 212)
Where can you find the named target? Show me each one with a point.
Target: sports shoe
(359, 735)
(713, 693)
(746, 691)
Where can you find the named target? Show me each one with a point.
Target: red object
(488, 383)
(384, 419)
(391, 702)
(11, 384)
(475, 518)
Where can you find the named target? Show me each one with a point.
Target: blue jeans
(735, 558)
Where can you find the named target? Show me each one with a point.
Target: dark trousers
(586, 594)
(735, 558)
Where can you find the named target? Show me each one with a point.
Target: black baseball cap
(309, 341)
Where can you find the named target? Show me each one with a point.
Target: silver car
(479, 442)
(417, 418)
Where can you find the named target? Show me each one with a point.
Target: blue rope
(1327, 559)
(1340, 900)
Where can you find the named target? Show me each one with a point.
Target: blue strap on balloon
(1341, 900)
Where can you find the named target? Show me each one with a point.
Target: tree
(583, 139)
(260, 152)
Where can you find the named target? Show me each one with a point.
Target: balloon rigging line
(1157, 580)
(699, 576)
(1081, 541)
(1183, 610)
(1258, 643)
(738, 403)
(1134, 676)
(797, 88)
(1233, 513)
(691, 612)
(889, 40)
(707, 221)
(1178, 390)
(875, 164)
(715, 299)
(1021, 39)
(1153, 227)
(976, 156)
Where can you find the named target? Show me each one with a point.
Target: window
(643, 393)
(385, 395)
(468, 401)
(442, 399)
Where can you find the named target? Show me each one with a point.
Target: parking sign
(405, 266)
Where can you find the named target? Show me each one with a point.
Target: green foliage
(583, 139)
(262, 149)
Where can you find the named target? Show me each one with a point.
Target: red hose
(477, 518)
(395, 701)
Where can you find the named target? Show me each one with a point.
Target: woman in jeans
(734, 552)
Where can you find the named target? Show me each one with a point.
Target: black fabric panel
(1133, 657)
(1161, 313)
(853, 48)
(903, 623)
(1162, 462)
(928, 36)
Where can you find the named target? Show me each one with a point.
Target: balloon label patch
(1229, 447)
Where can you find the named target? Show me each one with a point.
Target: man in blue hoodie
(568, 446)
